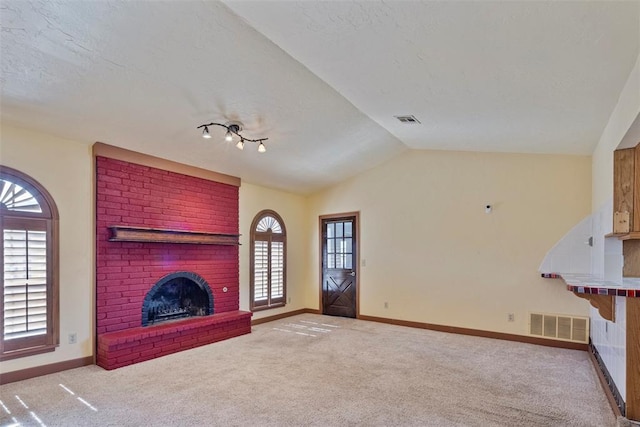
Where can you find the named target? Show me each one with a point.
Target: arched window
(268, 261)
(29, 274)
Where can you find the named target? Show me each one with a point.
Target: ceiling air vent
(407, 119)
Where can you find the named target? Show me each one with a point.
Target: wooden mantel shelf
(123, 233)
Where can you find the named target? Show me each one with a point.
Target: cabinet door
(635, 225)
(623, 186)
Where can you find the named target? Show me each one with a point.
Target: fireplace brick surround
(130, 194)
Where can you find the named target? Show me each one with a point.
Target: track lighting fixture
(233, 128)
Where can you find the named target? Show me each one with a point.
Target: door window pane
(348, 246)
(331, 261)
(331, 230)
(348, 261)
(347, 229)
(339, 229)
(331, 246)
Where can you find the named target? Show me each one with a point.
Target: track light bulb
(240, 144)
(205, 133)
(229, 136)
(261, 148)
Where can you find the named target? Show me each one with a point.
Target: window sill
(267, 307)
(15, 354)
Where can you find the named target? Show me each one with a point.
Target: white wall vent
(559, 327)
(407, 119)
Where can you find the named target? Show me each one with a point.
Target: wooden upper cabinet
(626, 190)
(636, 192)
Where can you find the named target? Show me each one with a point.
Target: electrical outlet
(386, 304)
(73, 338)
(511, 317)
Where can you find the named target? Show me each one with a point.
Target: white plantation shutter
(25, 283)
(268, 261)
(261, 271)
(277, 270)
(15, 198)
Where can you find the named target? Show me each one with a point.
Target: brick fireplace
(157, 227)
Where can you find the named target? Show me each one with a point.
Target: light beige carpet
(325, 371)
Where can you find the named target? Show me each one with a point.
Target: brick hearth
(122, 348)
(129, 194)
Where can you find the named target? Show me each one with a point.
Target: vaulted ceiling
(322, 80)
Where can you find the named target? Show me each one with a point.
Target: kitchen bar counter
(589, 284)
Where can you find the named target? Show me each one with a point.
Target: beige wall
(622, 117)
(430, 249)
(433, 254)
(292, 209)
(64, 168)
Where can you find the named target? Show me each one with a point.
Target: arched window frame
(272, 239)
(47, 220)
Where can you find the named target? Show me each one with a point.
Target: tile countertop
(588, 284)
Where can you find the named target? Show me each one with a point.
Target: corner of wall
(621, 119)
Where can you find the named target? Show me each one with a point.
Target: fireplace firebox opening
(177, 295)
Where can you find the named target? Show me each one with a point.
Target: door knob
(353, 273)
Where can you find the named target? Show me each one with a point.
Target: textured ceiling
(537, 77)
(323, 84)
